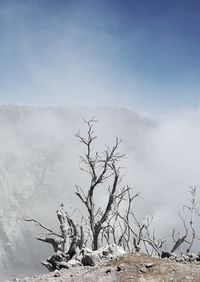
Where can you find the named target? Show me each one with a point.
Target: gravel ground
(132, 267)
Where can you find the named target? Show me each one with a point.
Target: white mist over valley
(39, 168)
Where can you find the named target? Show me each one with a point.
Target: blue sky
(138, 54)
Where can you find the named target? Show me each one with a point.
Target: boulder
(74, 262)
(111, 251)
(90, 260)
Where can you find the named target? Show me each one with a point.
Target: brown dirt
(132, 267)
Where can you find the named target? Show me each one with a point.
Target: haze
(135, 66)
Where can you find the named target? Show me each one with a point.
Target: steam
(39, 165)
(75, 56)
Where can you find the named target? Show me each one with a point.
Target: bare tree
(190, 213)
(104, 171)
(116, 220)
(137, 234)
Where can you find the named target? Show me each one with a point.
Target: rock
(148, 265)
(166, 255)
(179, 259)
(119, 268)
(108, 271)
(57, 273)
(64, 264)
(192, 257)
(89, 260)
(110, 251)
(143, 269)
(105, 253)
(74, 262)
(116, 250)
(85, 251)
(185, 257)
(198, 257)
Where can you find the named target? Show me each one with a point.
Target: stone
(148, 265)
(105, 253)
(185, 257)
(192, 257)
(119, 268)
(89, 260)
(116, 250)
(57, 273)
(166, 254)
(110, 251)
(179, 259)
(108, 271)
(143, 269)
(64, 264)
(74, 262)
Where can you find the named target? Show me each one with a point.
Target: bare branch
(41, 225)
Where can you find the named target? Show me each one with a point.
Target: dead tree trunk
(65, 228)
(65, 245)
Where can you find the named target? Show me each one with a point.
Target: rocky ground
(129, 267)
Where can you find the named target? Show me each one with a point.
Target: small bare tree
(190, 213)
(135, 234)
(104, 171)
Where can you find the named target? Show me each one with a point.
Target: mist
(117, 61)
(39, 164)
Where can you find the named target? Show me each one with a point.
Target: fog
(39, 168)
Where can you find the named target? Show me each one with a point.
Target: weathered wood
(55, 242)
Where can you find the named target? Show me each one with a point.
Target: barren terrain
(132, 267)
